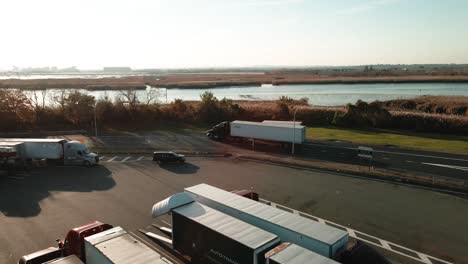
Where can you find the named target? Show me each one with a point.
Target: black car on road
(168, 156)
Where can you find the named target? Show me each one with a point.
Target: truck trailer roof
(72, 259)
(118, 247)
(42, 140)
(9, 144)
(263, 213)
(269, 124)
(289, 253)
(242, 232)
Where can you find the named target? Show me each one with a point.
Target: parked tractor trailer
(208, 236)
(15, 152)
(319, 238)
(277, 131)
(97, 243)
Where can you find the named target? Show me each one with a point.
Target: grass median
(403, 139)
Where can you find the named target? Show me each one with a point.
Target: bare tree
(59, 97)
(37, 100)
(128, 97)
(152, 95)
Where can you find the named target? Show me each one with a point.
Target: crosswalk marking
(124, 160)
(140, 158)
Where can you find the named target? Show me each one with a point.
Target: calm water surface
(318, 94)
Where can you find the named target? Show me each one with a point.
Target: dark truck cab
(220, 131)
(167, 156)
(73, 244)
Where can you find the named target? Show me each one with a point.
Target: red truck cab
(73, 244)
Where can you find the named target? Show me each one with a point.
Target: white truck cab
(76, 153)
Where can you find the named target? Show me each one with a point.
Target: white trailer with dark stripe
(209, 236)
(320, 238)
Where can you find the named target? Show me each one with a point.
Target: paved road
(423, 162)
(38, 207)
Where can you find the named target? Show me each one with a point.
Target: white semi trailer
(319, 238)
(116, 246)
(21, 150)
(279, 131)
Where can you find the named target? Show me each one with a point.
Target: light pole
(294, 130)
(95, 120)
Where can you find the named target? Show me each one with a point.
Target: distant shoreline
(200, 81)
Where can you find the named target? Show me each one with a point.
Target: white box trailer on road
(116, 246)
(320, 238)
(277, 131)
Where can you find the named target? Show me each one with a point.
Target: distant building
(117, 69)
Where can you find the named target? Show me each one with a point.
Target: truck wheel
(87, 163)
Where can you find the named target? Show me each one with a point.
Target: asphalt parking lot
(40, 206)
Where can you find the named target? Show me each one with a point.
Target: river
(317, 94)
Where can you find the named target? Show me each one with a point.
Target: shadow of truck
(20, 196)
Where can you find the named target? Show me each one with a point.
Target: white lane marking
(102, 157)
(410, 161)
(112, 159)
(419, 155)
(447, 166)
(390, 152)
(140, 158)
(421, 257)
(124, 160)
(164, 255)
(385, 244)
(166, 223)
(158, 237)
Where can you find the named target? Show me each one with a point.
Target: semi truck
(319, 238)
(116, 246)
(277, 131)
(96, 243)
(208, 236)
(22, 150)
(72, 244)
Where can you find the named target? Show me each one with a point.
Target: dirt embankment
(218, 80)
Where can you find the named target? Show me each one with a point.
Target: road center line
(447, 166)
(389, 152)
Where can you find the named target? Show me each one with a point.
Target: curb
(186, 153)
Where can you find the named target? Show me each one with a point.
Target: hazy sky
(199, 33)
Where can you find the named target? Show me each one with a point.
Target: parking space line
(125, 159)
(166, 223)
(420, 257)
(112, 159)
(140, 158)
